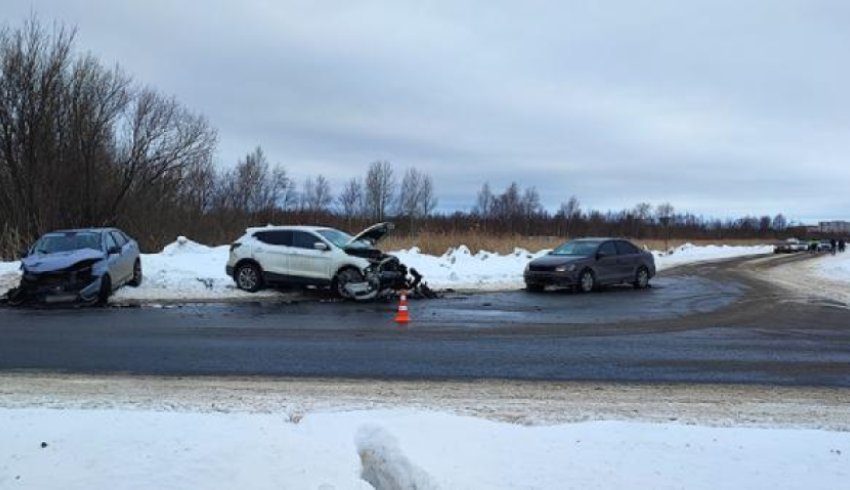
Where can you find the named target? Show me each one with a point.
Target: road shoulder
(526, 403)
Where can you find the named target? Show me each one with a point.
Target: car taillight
(234, 246)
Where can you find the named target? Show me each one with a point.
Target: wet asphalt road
(710, 323)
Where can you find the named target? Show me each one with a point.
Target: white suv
(318, 256)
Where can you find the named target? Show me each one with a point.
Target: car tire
(248, 277)
(534, 288)
(641, 278)
(105, 290)
(136, 280)
(343, 277)
(586, 281)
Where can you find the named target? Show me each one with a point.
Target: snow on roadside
(189, 271)
(10, 275)
(186, 270)
(169, 450)
(691, 254)
(825, 276)
(834, 267)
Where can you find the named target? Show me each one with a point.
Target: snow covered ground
(835, 267)
(189, 271)
(186, 270)
(825, 276)
(404, 449)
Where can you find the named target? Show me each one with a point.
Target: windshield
(341, 239)
(582, 248)
(65, 242)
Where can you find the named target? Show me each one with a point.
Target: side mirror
(601, 255)
(114, 250)
(321, 246)
(24, 254)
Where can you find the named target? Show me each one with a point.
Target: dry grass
(439, 243)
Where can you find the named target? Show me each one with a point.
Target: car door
(606, 263)
(273, 252)
(628, 258)
(114, 265)
(127, 257)
(307, 261)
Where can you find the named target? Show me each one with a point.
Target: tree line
(82, 144)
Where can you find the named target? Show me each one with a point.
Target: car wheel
(534, 288)
(586, 281)
(248, 278)
(105, 290)
(343, 278)
(136, 281)
(641, 278)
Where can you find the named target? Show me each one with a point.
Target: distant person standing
(833, 246)
(841, 245)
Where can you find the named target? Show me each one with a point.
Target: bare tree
(380, 186)
(350, 200)
(664, 211)
(316, 195)
(484, 203)
(779, 222)
(254, 185)
(416, 199)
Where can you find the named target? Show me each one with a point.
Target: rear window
(278, 237)
(626, 248)
(608, 248)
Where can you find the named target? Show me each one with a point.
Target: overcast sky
(723, 107)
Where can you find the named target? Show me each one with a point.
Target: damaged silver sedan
(77, 266)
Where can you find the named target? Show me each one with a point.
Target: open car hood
(373, 234)
(59, 261)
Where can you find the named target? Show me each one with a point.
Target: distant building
(834, 227)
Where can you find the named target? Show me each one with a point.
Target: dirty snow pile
(186, 270)
(401, 448)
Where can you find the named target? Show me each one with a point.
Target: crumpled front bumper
(56, 289)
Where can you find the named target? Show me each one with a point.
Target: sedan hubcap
(586, 281)
(643, 278)
(247, 278)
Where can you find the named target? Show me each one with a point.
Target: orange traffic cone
(403, 316)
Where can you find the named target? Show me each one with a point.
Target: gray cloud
(719, 106)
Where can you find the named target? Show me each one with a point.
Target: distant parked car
(84, 265)
(824, 246)
(586, 264)
(790, 245)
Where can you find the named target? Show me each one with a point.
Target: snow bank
(690, 253)
(189, 271)
(10, 275)
(460, 269)
(834, 268)
(166, 450)
(186, 270)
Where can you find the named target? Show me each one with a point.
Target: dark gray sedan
(589, 263)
